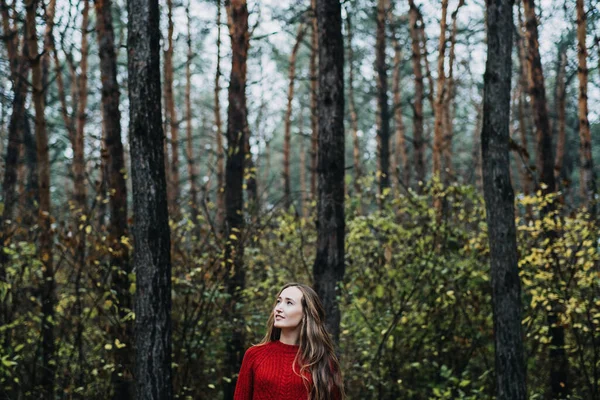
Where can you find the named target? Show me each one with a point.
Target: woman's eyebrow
(287, 298)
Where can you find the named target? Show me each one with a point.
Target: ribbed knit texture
(267, 374)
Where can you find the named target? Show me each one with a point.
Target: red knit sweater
(267, 374)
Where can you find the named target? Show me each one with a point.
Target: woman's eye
(289, 303)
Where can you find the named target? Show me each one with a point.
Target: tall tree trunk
(499, 199)
(44, 218)
(151, 258)
(587, 182)
(545, 166)
(561, 107)
(449, 101)
(401, 166)
(287, 192)
(314, 118)
(328, 268)
(303, 196)
(544, 154)
(352, 108)
(78, 144)
(476, 150)
(172, 113)
(383, 117)
(250, 176)
(418, 140)
(524, 111)
(80, 192)
(122, 377)
(237, 16)
(191, 166)
(424, 54)
(220, 194)
(438, 136)
(19, 68)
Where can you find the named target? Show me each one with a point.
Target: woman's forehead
(291, 292)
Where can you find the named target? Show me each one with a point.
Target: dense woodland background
(254, 184)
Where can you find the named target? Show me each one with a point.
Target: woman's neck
(289, 336)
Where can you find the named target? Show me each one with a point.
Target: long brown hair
(316, 353)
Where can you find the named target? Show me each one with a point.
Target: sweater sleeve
(245, 382)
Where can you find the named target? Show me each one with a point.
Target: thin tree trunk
(19, 67)
(328, 268)
(221, 212)
(438, 135)
(401, 166)
(544, 154)
(314, 119)
(418, 140)
(352, 108)
(383, 117)
(152, 259)
(44, 219)
(191, 163)
(524, 110)
(122, 377)
(425, 56)
(587, 182)
(172, 113)
(499, 198)
(303, 196)
(559, 364)
(561, 100)
(449, 101)
(287, 192)
(476, 151)
(78, 144)
(237, 16)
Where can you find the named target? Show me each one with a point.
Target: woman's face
(288, 310)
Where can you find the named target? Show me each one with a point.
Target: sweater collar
(285, 348)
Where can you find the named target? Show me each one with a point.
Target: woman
(295, 360)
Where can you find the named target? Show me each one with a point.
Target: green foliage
(416, 299)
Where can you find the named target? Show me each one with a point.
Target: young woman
(296, 359)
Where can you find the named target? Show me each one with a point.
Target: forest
(429, 167)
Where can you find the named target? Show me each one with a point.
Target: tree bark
(314, 118)
(418, 140)
(561, 100)
(302, 166)
(499, 199)
(80, 193)
(328, 268)
(544, 154)
(587, 182)
(191, 163)
(220, 195)
(523, 112)
(383, 117)
(152, 243)
(44, 218)
(356, 158)
(172, 120)
(401, 166)
(287, 191)
(438, 136)
(545, 165)
(122, 377)
(237, 16)
(19, 68)
(449, 100)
